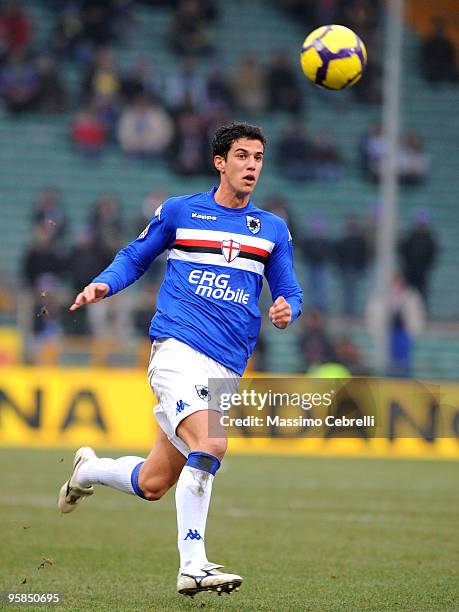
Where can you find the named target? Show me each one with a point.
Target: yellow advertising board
(108, 408)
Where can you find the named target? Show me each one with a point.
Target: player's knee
(153, 489)
(153, 494)
(215, 446)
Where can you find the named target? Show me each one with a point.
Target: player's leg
(194, 486)
(203, 434)
(163, 467)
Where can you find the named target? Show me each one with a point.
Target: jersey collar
(232, 211)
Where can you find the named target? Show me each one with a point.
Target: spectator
(315, 343)
(372, 148)
(97, 18)
(249, 85)
(294, 153)
(190, 148)
(185, 89)
(105, 222)
(86, 259)
(88, 132)
(278, 205)
(283, 85)
(352, 258)
(16, 27)
(328, 165)
(51, 92)
(369, 89)
(67, 35)
(413, 162)
(418, 250)
(347, 353)
(362, 17)
(91, 253)
(102, 79)
(42, 345)
(48, 211)
(317, 252)
(145, 128)
(213, 118)
(42, 257)
(107, 112)
(301, 10)
(140, 80)
(19, 83)
(406, 321)
(217, 90)
(438, 56)
(188, 34)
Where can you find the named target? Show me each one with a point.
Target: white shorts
(179, 378)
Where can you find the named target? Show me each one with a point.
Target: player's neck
(225, 196)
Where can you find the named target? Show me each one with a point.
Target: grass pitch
(307, 534)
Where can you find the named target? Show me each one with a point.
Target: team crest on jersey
(144, 233)
(203, 392)
(230, 249)
(253, 224)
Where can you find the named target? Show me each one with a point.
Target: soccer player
(219, 246)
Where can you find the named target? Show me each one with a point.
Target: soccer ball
(333, 57)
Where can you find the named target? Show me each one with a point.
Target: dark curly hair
(227, 134)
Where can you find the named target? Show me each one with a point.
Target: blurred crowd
(150, 115)
(58, 257)
(172, 117)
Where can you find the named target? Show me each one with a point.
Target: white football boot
(209, 579)
(71, 494)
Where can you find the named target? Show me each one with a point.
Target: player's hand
(94, 292)
(280, 313)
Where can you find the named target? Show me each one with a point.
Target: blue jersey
(216, 259)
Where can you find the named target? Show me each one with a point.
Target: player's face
(242, 166)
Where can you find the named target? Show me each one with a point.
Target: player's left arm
(285, 290)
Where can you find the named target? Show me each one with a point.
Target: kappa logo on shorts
(203, 392)
(181, 405)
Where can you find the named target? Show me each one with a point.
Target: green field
(306, 533)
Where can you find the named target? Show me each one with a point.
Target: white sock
(192, 498)
(116, 473)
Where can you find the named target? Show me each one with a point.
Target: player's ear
(219, 163)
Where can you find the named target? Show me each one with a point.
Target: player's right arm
(133, 261)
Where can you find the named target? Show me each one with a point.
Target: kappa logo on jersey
(203, 392)
(144, 233)
(181, 405)
(158, 212)
(253, 224)
(217, 286)
(230, 249)
(196, 215)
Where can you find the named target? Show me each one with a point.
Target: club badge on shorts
(203, 392)
(253, 224)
